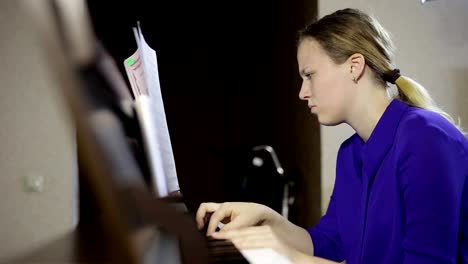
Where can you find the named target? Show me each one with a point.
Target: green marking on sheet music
(130, 62)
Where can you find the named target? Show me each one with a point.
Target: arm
(307, 259)
(326, 239)
(242, 215)
(323, 240)
(431, 181)
(239, 216)
(294, 235)
(266, 237)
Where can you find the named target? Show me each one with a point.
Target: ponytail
(415, 94)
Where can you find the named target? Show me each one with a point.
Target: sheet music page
(142, 70)
(136, 74)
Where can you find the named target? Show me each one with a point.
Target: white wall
(36, 140)
(432, 48)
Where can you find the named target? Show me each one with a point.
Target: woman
(400, 194)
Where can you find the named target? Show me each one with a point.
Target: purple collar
(381, 139)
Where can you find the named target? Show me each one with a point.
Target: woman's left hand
(258, 237)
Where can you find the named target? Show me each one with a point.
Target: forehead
(310, 51)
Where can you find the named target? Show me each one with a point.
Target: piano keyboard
(223, 251)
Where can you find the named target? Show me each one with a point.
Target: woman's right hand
(234, 215)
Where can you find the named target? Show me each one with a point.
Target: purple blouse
(400, 197)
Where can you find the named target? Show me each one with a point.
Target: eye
(308, 76)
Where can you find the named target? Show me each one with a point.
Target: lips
(313, 108)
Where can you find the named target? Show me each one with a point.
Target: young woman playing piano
(400, 194)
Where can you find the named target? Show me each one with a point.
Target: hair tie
(392, 76)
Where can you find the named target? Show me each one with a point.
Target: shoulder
(420, 125)
(431, 154)
(422, 131)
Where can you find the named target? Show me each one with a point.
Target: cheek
(338, 96)
(329, 90)
(332, 99)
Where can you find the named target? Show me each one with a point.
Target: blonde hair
(349, 31)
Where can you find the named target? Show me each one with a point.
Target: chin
(327, 121)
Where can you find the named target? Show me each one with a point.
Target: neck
(367, 111)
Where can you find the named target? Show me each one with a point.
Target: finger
(203, 211)
(254, 237)
(237, 226)
(222, 212)
(244, 232)
(237, 223)
(255, 242)
(252, 242)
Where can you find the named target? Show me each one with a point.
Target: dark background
(229, 79)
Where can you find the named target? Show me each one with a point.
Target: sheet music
(136, 74)
(142, 69)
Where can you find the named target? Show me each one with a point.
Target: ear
(357, 64)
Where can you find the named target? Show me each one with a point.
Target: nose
(304, 93)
